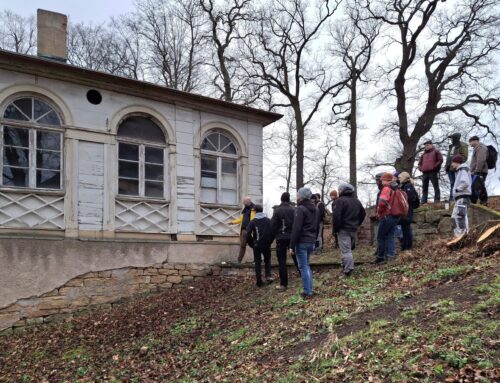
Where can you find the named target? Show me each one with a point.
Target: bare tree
(17, 33)
(450, 46)
(173, 41)
(277, 52)
(353, 40)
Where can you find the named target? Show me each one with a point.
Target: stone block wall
(101, 289)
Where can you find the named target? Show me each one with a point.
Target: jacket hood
(455, 138)
(259, 215)
(309, 205)
(345, 189)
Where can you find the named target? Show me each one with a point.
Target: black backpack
(492, 158)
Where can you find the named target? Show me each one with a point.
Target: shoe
(259, 284)
(281, 287)
(378, 261)
(306, 296)
(348, 274)
(269, 280)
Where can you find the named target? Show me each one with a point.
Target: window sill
(219, 205)
(31, 191)
(141, 199)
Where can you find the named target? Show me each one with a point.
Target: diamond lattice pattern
(215, 220)
(145, 217)
(31, 211)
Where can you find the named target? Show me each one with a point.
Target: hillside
(430, 316)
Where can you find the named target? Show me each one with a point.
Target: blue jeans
(451, 177)
(303, 251)
(385, 237)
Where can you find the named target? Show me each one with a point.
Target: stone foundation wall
(100, 289)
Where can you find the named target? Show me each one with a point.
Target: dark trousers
(433, 177)
(243, 245)
(282, 246)
(451, 177)
(407, 240)
(257, 257)
(480, 187)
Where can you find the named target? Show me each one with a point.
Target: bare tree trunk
(353, 131)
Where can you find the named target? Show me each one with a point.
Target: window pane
(208, 195)
(208, 163)
(40, 108)
(50, 119)
(228, 196)
(48, 179)
(210, 143)
(128, 152)
(154, 155)
(209, 180)
(48, 160)
(229, 181)
(15, 156)
(16, 136)
(24, 104)
(154, 172)
(47, 140)
(15, 176)
(141, 128)
(153, 189)
(229, 166)
(230, 149)
(13, 113)
(128, 187)
(128, 169)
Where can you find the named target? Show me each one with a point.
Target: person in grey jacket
(462, 190)
(479, 166)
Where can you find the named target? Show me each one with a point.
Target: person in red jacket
(429, 164)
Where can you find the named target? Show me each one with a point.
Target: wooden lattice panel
(215, 220)
(141, 216)
(31, 211)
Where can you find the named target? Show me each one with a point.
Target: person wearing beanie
(386, 222)
(348, 215)
(259, 238)
(462, 191)
(406, 185)
(282, 223)
(479, 169)
(303, 237)
(456, 147)
(429, 164)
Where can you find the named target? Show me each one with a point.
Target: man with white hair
(247, 215)
(348, 215)
(303, 238)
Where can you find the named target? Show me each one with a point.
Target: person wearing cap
(429, 164)
(462, 191)
(406, 184)
(387, 222)
(479, 168)
(247, 215)
(456, 147)
(303, 237)
(348, 215)
(333, 199)
(282, 223)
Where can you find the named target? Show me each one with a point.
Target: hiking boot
(281, 287)
(269, 280)
(306, 296)
(259, 284)
(348, 273)
(378, 261)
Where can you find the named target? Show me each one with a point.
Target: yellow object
(239, 220)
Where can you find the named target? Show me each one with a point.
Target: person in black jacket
(282, 222)
(259, 238)
(348, 215)
(413, 202)
(304, 234)
(316, 198)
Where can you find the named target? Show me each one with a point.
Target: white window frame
(32, 128)
(219, 156)
(142, 168)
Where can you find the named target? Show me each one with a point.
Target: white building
(101, 172)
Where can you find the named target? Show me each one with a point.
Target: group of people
(298, 230)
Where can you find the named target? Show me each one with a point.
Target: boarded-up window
(141, 158)
(30, 155)
(219, 170)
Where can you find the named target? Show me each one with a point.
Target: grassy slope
(430, 316)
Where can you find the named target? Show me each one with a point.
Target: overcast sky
(87, 10)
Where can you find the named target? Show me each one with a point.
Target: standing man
(247, 214)
(348, 215)
(333, 197)
(406, 185)
(429, 164)
(282, 223)
(304, 234)
(456, 147)
(321, 209)
(387, 221)
(259, 238)
(479, 167)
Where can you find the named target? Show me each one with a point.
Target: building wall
(59, 235)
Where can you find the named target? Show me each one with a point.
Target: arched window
(219, 170)
(31, 152)
(141, 158)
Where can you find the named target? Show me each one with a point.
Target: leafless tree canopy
(17, 33)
